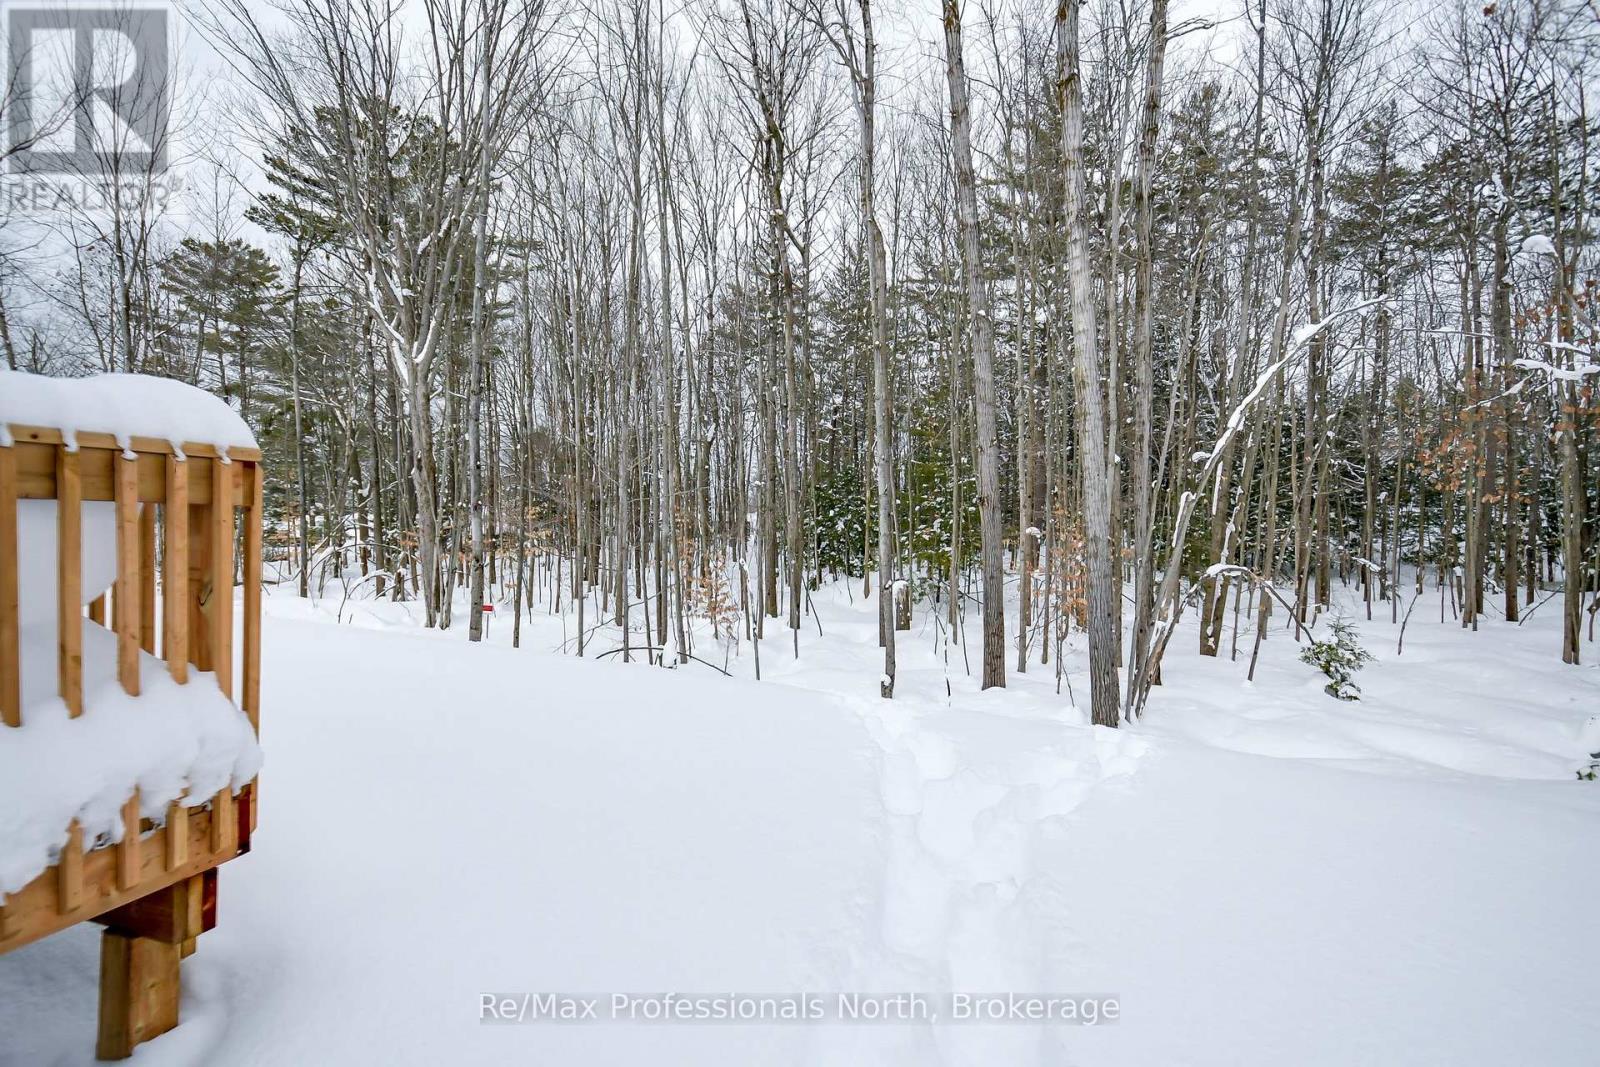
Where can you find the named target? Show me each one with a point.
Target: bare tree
(1095, 474)
(340, 78)
(981, 327)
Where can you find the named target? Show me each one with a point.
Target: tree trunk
(982, 327)
(1144, 370)
(1096, 477)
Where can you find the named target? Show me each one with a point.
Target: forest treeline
(666, 314)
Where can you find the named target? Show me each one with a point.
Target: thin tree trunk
(1102, 584)
(982, 331)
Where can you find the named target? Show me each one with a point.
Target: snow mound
(124, 405)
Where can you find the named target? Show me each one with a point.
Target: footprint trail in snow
(963, 905)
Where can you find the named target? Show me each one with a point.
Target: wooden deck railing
(207, 498)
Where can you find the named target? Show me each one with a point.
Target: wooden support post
(128, 848)
(138, 992)
(69, 582)
(251, 694)
(147, 578)
(172, 914)
(126, 600)
(70, 869)
(175, 580)
(222, 575)
(10, 624)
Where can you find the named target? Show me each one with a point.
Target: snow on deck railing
(122, 405)
(121, 480)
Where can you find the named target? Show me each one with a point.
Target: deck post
(138, 992)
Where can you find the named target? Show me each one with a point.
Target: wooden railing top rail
(45, 435)
(36, 474)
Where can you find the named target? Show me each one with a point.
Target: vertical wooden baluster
(147, 578)
(252, 598)
(175, 579)
(10, 626)
(198, 475)
(126, 601)
(69, 581)
(177, 834)
(128, 847)
(224, 821)
(222, 574)
(70, 870)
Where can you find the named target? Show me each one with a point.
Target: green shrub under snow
(1339, 657)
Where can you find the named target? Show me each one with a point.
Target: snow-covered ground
(1257, 873)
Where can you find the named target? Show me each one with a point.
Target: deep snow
(1258, 873)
